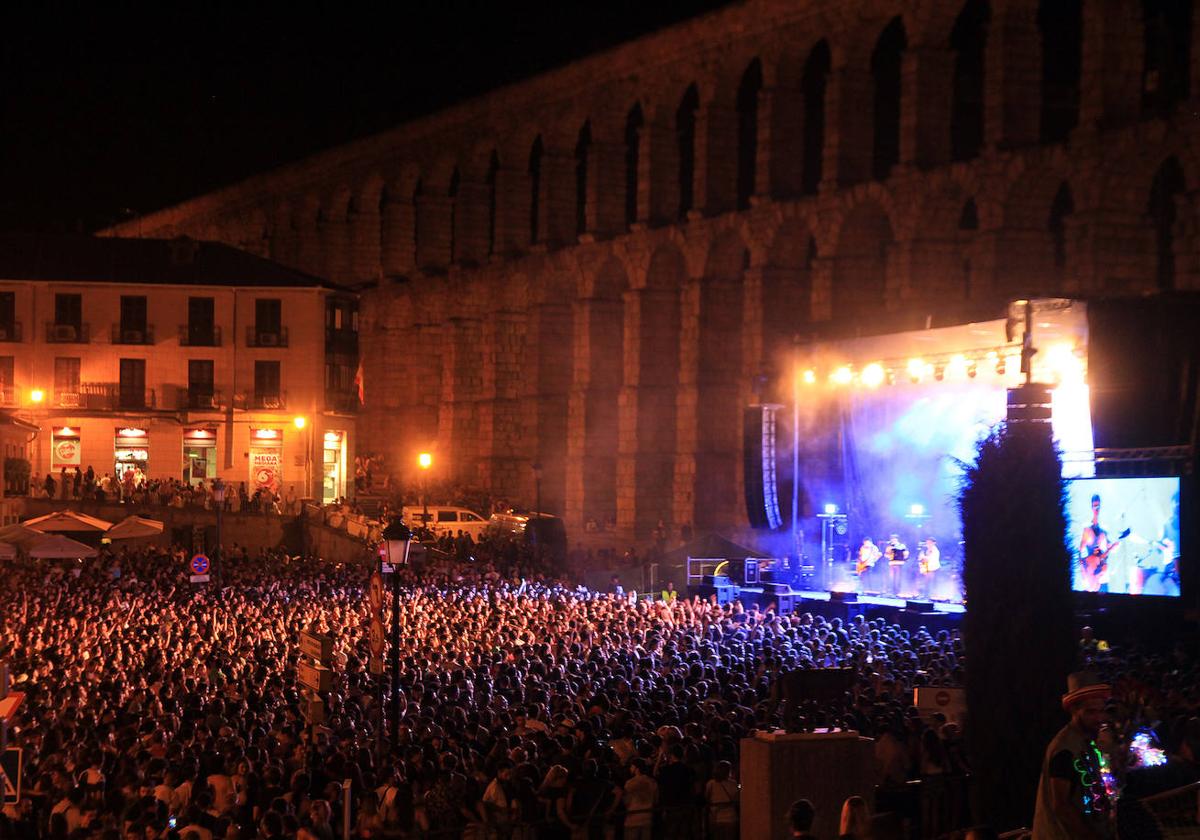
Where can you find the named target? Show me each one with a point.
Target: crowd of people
(529, 708)
(136, 489)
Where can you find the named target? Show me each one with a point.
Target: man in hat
(1072, 801)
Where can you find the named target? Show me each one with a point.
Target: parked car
(445, 519)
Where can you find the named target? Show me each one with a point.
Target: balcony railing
(67, 333)
(8, 397)
(11, 331)
(104, 396)
(343, 401)
(266, 402)
(199, 336)
(341, 341)
(257, 336)
(199, 400)
(126, 335)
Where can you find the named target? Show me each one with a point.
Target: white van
(445, 519)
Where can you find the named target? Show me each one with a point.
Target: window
(7, 385)
(200, 380)
(133, 320)
(8, 310)
(66, 375)
(133, 383)
(201, 322)
(447, 516)
(268, 316)
(68, 310)
(266, 384)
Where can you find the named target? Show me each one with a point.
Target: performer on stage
(929, 560)
(897, 554)
(868, 555)
(1094, 548)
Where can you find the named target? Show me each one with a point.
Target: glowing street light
(37, 395)
(299, 422)
(425, 460)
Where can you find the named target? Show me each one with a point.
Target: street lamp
(218, 494)
(396, 539)
(425, 461)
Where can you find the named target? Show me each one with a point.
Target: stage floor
(880, 601)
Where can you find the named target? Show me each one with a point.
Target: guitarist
(1094, 548)
(868, 555)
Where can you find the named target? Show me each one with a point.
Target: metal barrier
(1174, 813)
(666, 823)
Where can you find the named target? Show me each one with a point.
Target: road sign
(316, 677)
(377, 665)
(199, 565)
(11, 764)
(375, 592)
(198, 579)
(376, 636)
(316, 646)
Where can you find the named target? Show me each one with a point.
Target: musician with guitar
(868, 556)
(929, 560)
(1094, 548)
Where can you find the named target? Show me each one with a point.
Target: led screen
(1124, 535)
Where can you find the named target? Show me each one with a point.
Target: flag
(358, 381)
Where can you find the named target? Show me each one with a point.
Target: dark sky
(112, 109)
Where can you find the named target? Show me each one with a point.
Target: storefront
(333, 482)
(65, 450)
(199, 454)
(266, 459)
(131, 453)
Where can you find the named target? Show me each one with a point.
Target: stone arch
(746, 102)
(601, 324)
(937, 253)
(813, 85)
(335, 234)
(309, 219)
(1166, 55)
(1162, 209)
(398, 222)
(787, 286)
(861, 262)
(968, 40)
(583, 150)
(1061, 208)
(685, 138)
(1060, 25)
(634, 123)
(537, 152)
(886, 63)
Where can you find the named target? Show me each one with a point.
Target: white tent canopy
(58, 547)
(19, 535)
(7, 551)
(134, 527)
(66, 520)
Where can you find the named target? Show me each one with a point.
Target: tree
(16, 475)
(1018, 629)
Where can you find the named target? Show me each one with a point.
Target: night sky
(109, 114)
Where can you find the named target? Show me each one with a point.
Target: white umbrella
(133, 527)
(66, 520)
(7, 551)
(58, 547)
(19, 535)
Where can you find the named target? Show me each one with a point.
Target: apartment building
(179, 358)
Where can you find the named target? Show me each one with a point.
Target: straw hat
(1084, 685)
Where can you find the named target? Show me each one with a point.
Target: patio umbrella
(65, 521)
(134, 527)
(58, 547)
(19, 535)
(7, 551)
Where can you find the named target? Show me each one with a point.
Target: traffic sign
(11, 764)
(199, 565)
(375, 592)
(376, 636)
(377, 665)
(316, 646)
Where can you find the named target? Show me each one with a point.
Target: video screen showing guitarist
(1094, 548)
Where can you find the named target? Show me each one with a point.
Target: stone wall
(594, 270)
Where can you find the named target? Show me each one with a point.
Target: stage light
(873, 375)
(939, 372)
(1013, 360)
(916, 510)
(916, 367)
(810, 376)
(1000, 362)
(842, 376)
(831, 510)
(956, 368)
(1063, 364)
(972, 370)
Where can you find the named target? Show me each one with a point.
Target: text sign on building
(65, 451)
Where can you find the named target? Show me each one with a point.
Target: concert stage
(909, 614)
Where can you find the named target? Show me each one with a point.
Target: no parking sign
(199, 568)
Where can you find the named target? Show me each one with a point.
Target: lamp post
(396, 538)
(425, 461)
(218, 494)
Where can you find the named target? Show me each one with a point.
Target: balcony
(266, 336)
(67, 333)
(341, 341)
(8, 397)
(126, 335)
(11, 331)
(104, 396)
(345, 402)
(203, 335)
(263, 402)
(199, 400)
